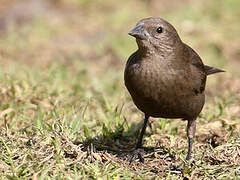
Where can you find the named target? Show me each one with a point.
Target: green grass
(64, 110)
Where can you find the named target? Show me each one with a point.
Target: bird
(165, 77)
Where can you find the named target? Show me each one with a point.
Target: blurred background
(64, 59)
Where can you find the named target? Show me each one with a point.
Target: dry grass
(64, 110)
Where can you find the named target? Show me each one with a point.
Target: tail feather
(211, 70)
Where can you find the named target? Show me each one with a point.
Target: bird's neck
(164, 51)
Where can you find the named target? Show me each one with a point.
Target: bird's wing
(197, 62)
(194, 59)
(198, 71)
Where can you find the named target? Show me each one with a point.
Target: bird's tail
(211, 70)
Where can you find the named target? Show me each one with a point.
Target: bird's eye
(159, 29)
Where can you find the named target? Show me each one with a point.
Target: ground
(66, 114)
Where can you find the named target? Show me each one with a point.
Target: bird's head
(155, 33)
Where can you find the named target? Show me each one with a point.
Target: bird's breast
(160, 88)
(154, 80)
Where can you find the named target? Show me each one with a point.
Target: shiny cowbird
(165, 77)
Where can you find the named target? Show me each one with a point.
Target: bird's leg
(191, 128)
(139, 143)
(140, 138)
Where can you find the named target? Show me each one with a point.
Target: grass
(64, 110)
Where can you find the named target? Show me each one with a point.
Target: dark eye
(159, 29)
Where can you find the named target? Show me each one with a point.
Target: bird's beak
(138, 32)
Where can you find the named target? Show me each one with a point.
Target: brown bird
(165, 77)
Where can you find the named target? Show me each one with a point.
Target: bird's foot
(190, 160)
(189, 157)
(137, 154)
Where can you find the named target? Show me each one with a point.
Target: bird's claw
(137, 154)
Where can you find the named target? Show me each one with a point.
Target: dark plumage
(165, 77)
